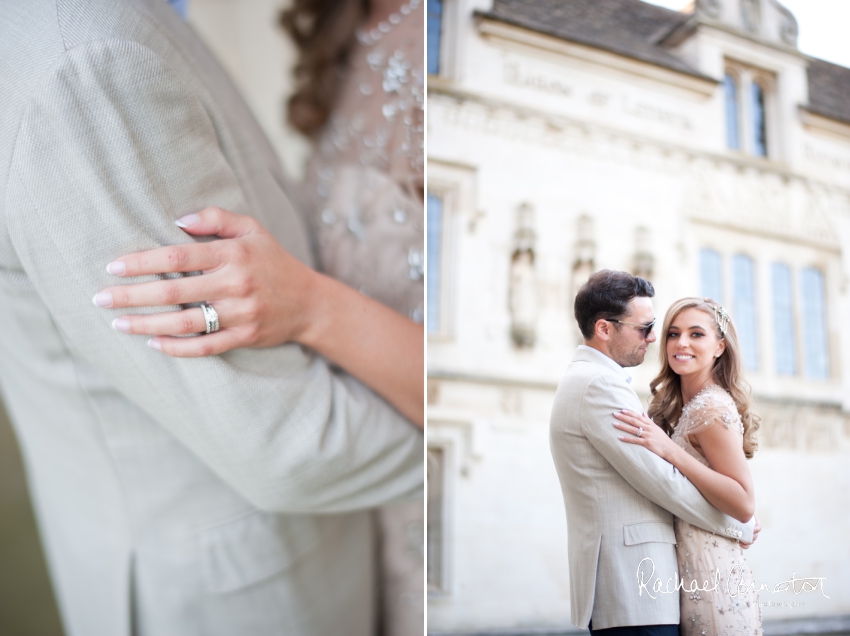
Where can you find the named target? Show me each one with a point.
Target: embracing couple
(252, 479)
(659, 504)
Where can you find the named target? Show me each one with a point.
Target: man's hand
(756, 531)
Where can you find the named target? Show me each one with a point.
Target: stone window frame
(745, 76)
(455, 185)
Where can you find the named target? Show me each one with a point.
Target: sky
(823, 26)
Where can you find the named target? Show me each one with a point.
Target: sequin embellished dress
(365, 181)
(732, 609)
(363, 194)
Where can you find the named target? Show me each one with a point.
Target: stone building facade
(700, 149)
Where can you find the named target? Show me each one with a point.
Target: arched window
(758, 119)
(744, 308)
(814, 323)
(435, 29)
(711, 274)
(730, 90)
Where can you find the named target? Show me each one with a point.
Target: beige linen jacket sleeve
(114, 146)
(653, 477)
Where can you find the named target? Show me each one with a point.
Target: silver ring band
(210, 317)
(640, 431)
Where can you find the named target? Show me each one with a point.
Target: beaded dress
(363, 194)
(732, 609)
(366, 178)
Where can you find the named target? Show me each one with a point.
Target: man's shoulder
(584, 369)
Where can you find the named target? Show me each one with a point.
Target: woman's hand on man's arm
(262, 294)
(265, 297)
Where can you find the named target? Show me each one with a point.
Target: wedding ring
(640, 431)
(210, 317)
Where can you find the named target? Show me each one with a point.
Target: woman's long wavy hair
(665, 407)
(324, 31)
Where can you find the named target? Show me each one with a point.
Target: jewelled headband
(722, 318)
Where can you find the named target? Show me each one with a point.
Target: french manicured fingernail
(621, 437)
(121, 324)
(116, 268)
(189, 219)
(154, 344)
(103, 299)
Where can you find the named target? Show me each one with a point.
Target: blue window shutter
(435, 34)
(435, 250)
(813, 305)
(711, 274)
(783, 320)
(744, 309)
(730, 90)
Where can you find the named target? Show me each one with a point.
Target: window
(816, 358)
(759, 146)
(730, 89)
(436, 556)
(783, 320)
(435, 240)
(744, 309)
(746, 96)
(711, 274)
(435, 27)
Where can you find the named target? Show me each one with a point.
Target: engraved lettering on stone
(513, 74)
(655, 113)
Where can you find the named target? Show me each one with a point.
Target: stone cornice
(824, 123)
(438, 88)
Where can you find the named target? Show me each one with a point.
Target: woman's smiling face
(692, 342)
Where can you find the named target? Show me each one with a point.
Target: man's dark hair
(606, 295)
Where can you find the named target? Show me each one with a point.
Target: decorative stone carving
(763, 203)
(751, 15)
(644, 260)
(523, 285)
(584, 264)
(788, 29)
(767, 19)
(708, 8)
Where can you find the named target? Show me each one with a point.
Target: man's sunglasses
(647, 329)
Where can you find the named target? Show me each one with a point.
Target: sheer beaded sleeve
(711, 406)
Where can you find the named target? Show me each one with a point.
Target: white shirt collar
(610, 362)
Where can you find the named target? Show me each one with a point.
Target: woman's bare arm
(380, 347)
(265, 297)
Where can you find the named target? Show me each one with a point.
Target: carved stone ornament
(709, 8)
(523, 283)
(644, 263)
(751, 15)
(788, 29)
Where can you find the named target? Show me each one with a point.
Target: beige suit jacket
(620, 500)
(200, 497)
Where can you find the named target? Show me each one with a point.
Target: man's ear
(602, 330)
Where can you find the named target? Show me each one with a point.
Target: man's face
(627, 346)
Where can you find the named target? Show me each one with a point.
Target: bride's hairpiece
(722, 318)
